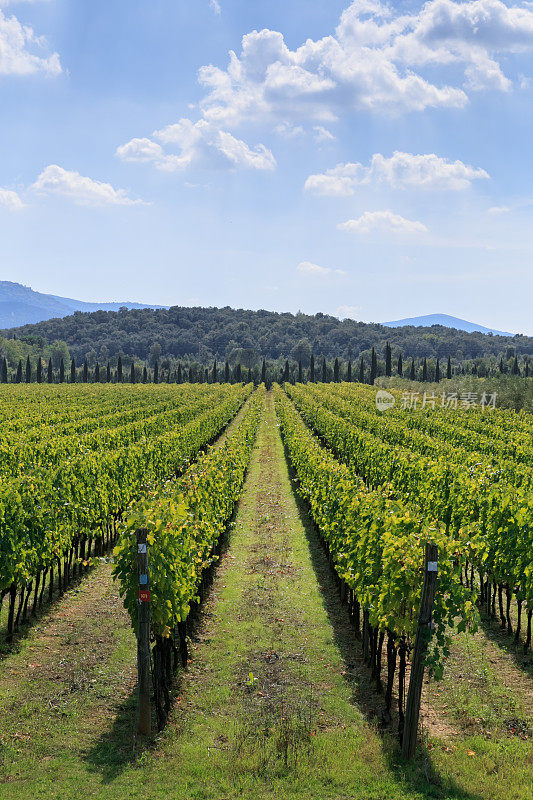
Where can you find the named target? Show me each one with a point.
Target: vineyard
(283, 593)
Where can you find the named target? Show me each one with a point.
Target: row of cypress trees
(363, 372)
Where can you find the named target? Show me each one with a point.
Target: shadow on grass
(505, 641)
(42, 613)
(421, 774)
(114, 751)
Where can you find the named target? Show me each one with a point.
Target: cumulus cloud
(10, 200)
(374, 60)
(308, 268)
(21, 50)
(400, 171)
(81, 190)
(377, 60)
(382, 222)
(187, 143)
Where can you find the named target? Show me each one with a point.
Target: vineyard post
(423, 634)
(144, 722)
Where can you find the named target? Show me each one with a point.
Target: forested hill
(205, 333)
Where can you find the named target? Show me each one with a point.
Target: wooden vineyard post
(423, 633)
(144, 722)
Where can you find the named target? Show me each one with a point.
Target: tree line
(239, 336)
(319, 369)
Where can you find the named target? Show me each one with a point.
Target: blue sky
(363, 159)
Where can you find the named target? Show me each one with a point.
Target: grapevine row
(184, 521)
(376, 544)
(491, 516)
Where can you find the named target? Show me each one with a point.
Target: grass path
(275, 703)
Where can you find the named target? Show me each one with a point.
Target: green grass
(276, 702)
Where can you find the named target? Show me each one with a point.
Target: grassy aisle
(271, 707)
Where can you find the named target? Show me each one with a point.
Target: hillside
(205, 333)
(428, 320)
(20, 305)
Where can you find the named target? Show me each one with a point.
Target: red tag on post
(144, 595)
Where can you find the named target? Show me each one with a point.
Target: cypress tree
(19, 372)
(119, 369)
(97, 372)
(50, 371)
(502, 365)
(425, 370)
(449, 368)
(132, 372)
(349, 372)
(526, 368)
(362, 370)
(73, 371)
(39, 371)
(388, 360)
(179, 377)
(263, 372)
(226, 373)
(300, 376)
(238, 374)
(373, 367)
(412, 371)
(85, 371)
(312, 370)
(145, 374)
(191, 379)
(206, 375)
(4, 370)
(286, 373)
(437, 372)
(156, 372)
(336, 370)
(108, 373)
(28, 370)
(324, 370)
(249, 374)
(62, 371)
(400, 365)
(515, 369)
(215, 372)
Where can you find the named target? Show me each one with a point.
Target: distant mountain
(448, 322)
(20, 305)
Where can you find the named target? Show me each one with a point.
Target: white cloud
(322, 134)
(215, 6)
(377, 60)
(289, 131)
(197, 144)
(21, 50)
(373, 62)
(496, 210)
(10, 199)
(382, 222)
(400, 171)
(83, 191)
(347, 312)
(308, 268)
